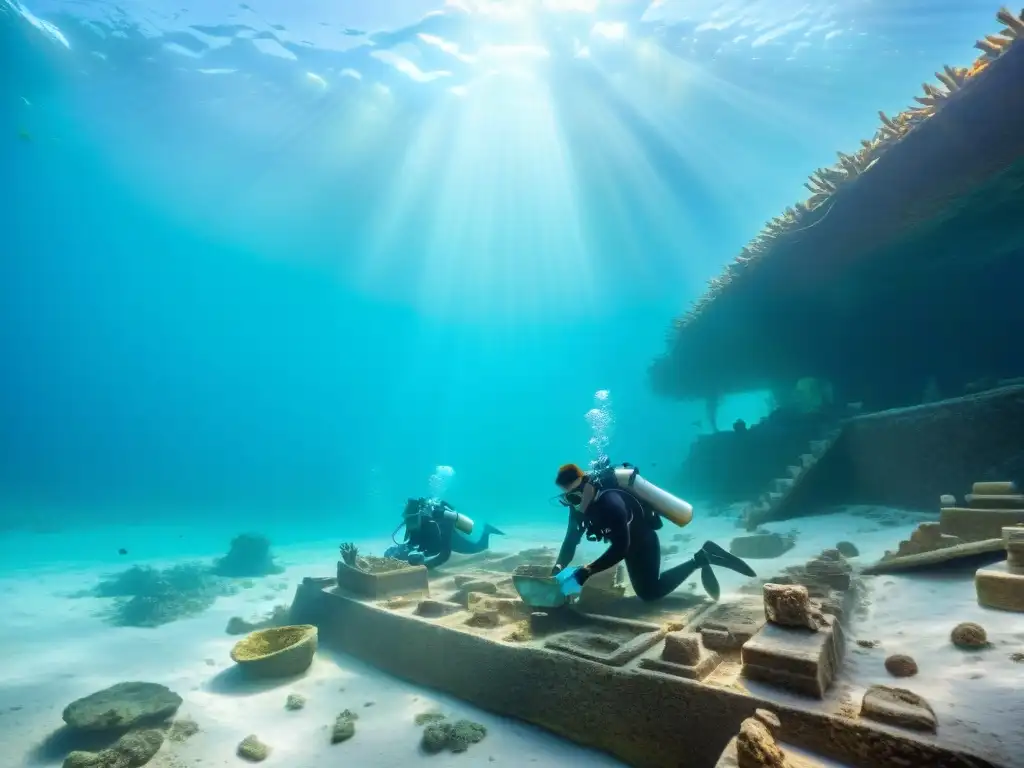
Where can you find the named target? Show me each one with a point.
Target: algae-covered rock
(426, 718)
(969, 636)
(252, 749)
(249, 556)
(183, 729)
(131, 751)
(344, 727)
(122, 706)
(456, 737)
(295, 701)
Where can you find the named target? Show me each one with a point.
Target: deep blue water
(279, 257)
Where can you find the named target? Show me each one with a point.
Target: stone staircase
(769, 505)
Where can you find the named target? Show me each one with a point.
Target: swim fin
(718, 556)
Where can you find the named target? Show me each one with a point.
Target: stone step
(774, 497)
(782, 484)
(807, 460)
(818, 447)
(794, 471)
(1005, 501)
(978, 524)
(994, 488)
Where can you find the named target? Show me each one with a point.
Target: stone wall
(910, 457)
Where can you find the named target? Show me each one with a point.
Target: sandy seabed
(56, 648)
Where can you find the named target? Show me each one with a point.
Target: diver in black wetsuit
(630, 528)
(431, 534)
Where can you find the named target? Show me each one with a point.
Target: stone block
(1000, 589)
(684, 656)
(996, 488)
(1006, 501)
(978, 524)
(798, 660)
(376, 586)
(899, 707)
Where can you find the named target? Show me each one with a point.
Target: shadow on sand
(234, 681)
(55, 747)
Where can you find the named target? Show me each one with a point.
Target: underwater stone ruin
(665, 684)
(906, 251)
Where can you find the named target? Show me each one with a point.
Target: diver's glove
(416, 557)
(569, 583)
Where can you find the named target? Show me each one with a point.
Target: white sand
(55, 649)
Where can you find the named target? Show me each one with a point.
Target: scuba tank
(626, 477)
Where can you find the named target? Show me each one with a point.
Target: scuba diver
(616, 505)
(433, 530)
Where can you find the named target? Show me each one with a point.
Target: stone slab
(799, 660)
(1004, 501)
(978, 524)
(1000, 589)
(949, 557)
(899, 707)
(708, 663)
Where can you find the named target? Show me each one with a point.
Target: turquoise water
(278, 267)
(272, 258)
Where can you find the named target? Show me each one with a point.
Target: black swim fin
(488, 528)
(718, 556)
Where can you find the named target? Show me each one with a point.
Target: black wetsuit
(618, 517)
(437, 537)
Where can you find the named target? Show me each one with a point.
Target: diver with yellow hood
(616, 505)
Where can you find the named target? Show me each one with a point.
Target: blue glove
(567, 583)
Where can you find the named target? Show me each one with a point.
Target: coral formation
(121, 707)
(252, 749)
(295, 701)
(789, 605)
(248, 556)
(969, 636)
(426, 718)
(847, 549)
(456, 737)
(150, 597)
(276, 652)
(344, 727)
(369, 564)
(825, 182)
(901, 665)
(131, 751)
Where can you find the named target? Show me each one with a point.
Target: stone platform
(640, 687)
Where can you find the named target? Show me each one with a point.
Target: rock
(122, 707)
(900, 665)
(770, 720)
(756, 747)
(183, 729)
(457, 737)
(479, 585)
(131, 751)
(868, 643)
(789, 605)
(426, 718)
(435, 609)
(344, 727)
(761, 546)
(484, 619)
(899, 707)
(969, 636)
(295, 701)
(252, 749)
(847, 549)
(249, 555)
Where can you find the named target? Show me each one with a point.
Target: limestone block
(899, 707)
(978, 524)
(795, 659)
(998, 588)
